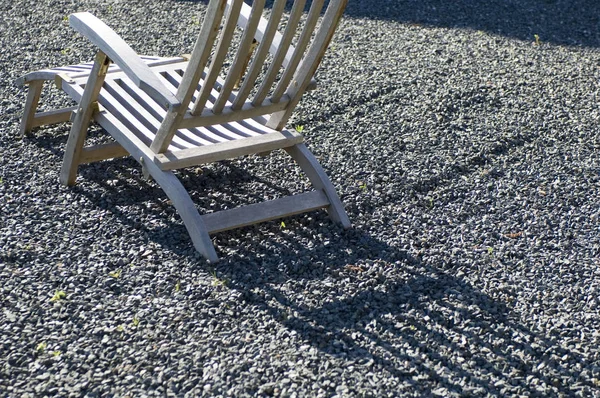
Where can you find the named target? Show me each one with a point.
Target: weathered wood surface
(31, 103)
(68, 171)
(178, 114)
(227, 150)
(123, 55)
(265, 211)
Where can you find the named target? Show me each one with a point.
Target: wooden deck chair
(171, 113)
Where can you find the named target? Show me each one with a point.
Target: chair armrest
(260, 32)
(109, 42)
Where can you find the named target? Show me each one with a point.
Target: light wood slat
(102, 152)
(214, 93)
(141, 98)
(240, 130)
(286, 40)
(123, 55)
(76, 91)
(119, 101)
(229, 131)
(310, 63)
(52, 117)
(139, 109)
(149, 112)
(119, 74)
(203, 136)
(225, 133)
(49, 74)
(113, 106)
(265, 211)
(262, 28)
(209, 134)
(85, 111)
(192, 75)
(248, 111)
(236, 68)
(290, 69)
(124, 136)
(226, 150)
(135, 108)
(219, 56)
(202, 49)
(275, 42)
(33, 97)
(265, 39)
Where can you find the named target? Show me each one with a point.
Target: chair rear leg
(186, 209)
(85, 111)
(319, 179)
(33, 97)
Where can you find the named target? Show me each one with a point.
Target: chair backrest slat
(310, 63)
(261, 54)
(216, 64)
(242, 54)
(284, 45)
(311, 22)
(201, 52)
(192, 74)
(279, 71)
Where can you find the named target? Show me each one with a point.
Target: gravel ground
(467, 155)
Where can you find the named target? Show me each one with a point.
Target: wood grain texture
(241, 55)
(219, 56)
(282, 50)
(123, 55)
(31, 103)
(192, 74)
(226, 150)
(78, 133)
(265, 211)
(310, 63)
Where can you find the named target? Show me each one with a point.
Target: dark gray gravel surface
(467, 156)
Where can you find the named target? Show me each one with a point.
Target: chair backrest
(236, 39)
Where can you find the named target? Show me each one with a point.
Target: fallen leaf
(514, 235)
(355, 268)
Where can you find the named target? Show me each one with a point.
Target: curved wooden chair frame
(170, 113)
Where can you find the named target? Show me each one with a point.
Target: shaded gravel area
(468, 159)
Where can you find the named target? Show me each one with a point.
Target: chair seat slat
(226, 150)
(137, 108)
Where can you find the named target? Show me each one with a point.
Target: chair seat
(122, 102)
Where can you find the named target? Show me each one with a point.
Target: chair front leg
(85, 111)
(33, 97)
(319, 179)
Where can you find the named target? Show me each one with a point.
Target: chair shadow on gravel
(575, 22)
(405, 325)
(120, 189)
(559, 22)
(399, 323)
